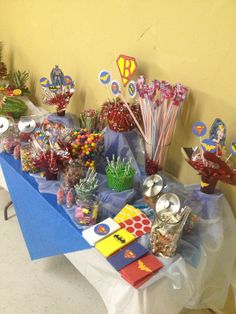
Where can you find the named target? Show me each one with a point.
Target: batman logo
(233, 147)
(119, 238)
(104, 77)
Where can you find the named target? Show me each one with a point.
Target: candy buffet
(103, 178)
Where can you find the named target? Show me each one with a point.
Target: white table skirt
(120, 297)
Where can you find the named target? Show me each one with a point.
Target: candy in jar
(9, 137)
(168, 225)
(69, 199)
(86, 211)
(28, 158)
(60, 196)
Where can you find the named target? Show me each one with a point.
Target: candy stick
(133, 116)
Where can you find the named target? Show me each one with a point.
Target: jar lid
(153, 185)
(167, 205)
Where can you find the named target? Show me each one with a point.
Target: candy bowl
(119, 174)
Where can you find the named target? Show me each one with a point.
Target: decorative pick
(232, 150)
(127, 66)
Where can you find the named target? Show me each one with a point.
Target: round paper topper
(115, 88)
(104, 77)
(208, 145)
(4, 124)
(233, 148)
(68, 80)
(102, 229)
(132, 89)
(27, 126)
(44, 82)
(199, 128)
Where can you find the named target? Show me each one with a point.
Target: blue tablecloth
(46, 228)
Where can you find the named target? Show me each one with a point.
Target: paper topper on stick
(132, 90)
(233, 148)
(104, 77)
(199, 128)
(208, 145)
(127, 67)
(115, 88)
(218, 132)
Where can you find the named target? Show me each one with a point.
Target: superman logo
(129, 254)
(102, 229)
(199, 128)
(127, 67)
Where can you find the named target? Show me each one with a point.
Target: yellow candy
(17, 92)
(2, 88)
(85, 211)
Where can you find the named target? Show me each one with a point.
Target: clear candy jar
(28, 156)
(86, 210)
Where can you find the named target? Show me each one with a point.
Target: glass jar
(27, 156)
(86, 210)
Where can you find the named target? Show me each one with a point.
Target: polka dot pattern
(138, 225)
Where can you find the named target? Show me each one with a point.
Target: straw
(160, 103)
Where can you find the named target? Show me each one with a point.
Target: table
(48, 231)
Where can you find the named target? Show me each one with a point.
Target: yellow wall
(189, 41)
